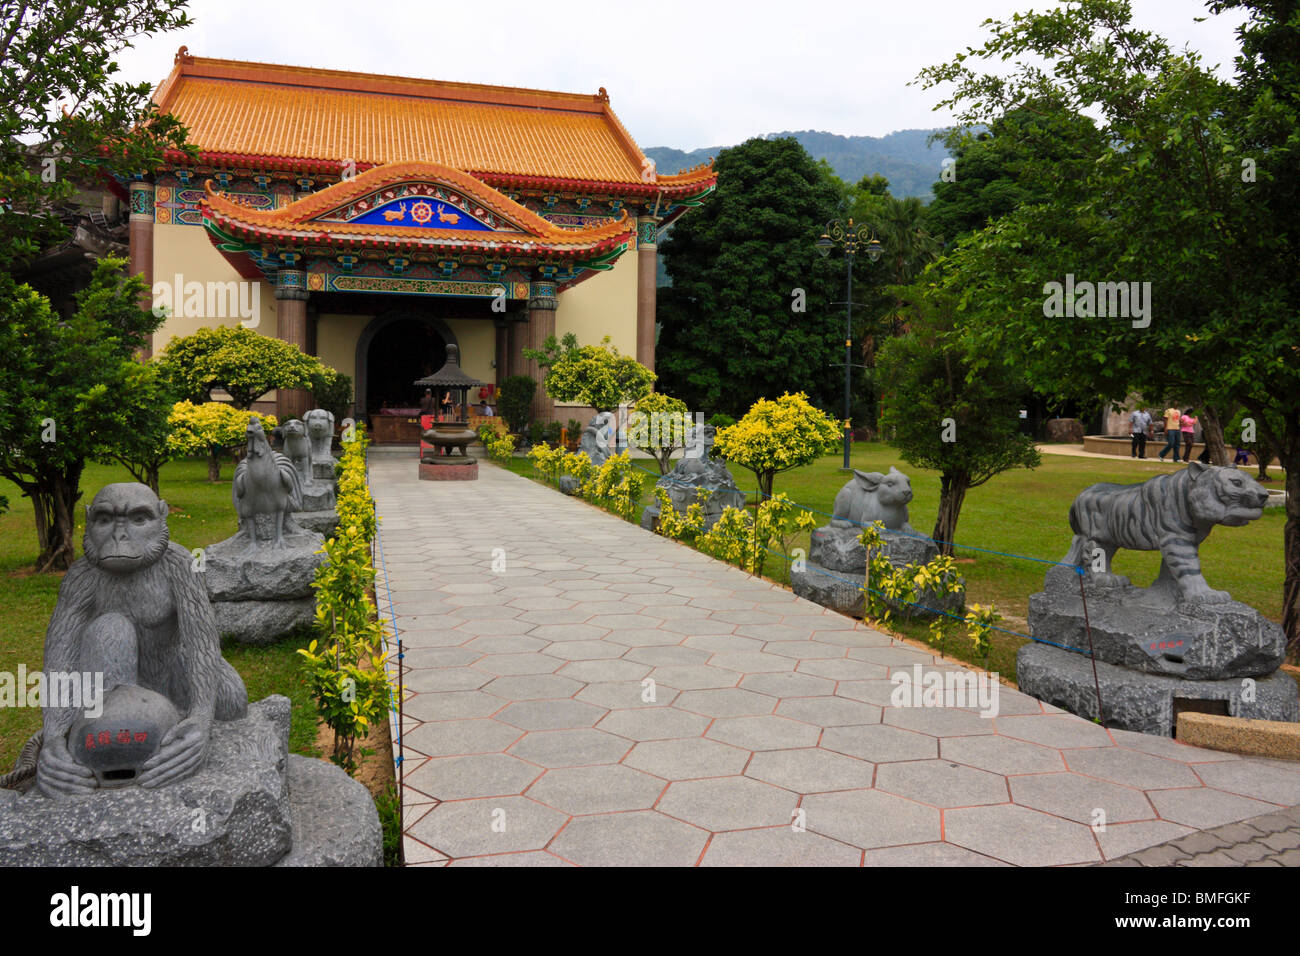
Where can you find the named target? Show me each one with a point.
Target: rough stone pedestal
(261, 595)
(836, 568)
(253, 804)
(1144, 702)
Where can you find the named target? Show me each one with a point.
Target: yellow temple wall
(186, 251)
(603, 305)
(478, 343)
(336, 341)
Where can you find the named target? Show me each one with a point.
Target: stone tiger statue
(1171, 514)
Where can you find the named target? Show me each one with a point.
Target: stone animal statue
(320, 429)
(133, 610)
(266, 483)
(1171, 514)
(595, 438)
(871, 496)
(297, 448)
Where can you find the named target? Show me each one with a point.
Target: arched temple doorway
(392, 352)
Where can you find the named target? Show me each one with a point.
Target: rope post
(1092, 653)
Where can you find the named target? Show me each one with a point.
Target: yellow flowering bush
(618, 483)
(775, 436)
(209, 428)
(745, 538)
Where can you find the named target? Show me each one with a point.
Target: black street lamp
(851, 237)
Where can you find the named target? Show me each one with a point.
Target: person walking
(1187, 424)
(1138, 423)
(1173, 432)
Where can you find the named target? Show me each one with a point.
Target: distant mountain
(902, 157)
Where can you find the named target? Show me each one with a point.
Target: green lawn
(201, 513)
(1025, 513)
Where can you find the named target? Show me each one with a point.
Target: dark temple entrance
(394, 351)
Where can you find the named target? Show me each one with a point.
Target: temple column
(502, 344)
(541, 325)
(140, 237)
(291, 323)
(647, 265)
(517, 336)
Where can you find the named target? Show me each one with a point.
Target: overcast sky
(684, 73)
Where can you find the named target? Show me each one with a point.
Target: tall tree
(749, 312)
(57, 90)
(245, 363)
(1190, 187)
(69, 390)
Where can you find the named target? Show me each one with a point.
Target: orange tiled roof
(298, 220)
(254, 111)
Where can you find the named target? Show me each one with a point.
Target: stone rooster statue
(266, 483)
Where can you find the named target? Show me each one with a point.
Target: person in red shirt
(1188, 427)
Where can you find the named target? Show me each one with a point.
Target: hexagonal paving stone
(421, 657)
(571, 748)
(502, 628)
(1131, 768)
(843, 669)
(579, 790)
(829, 711)
(810, 770)
(804, 650)
(529, 858)
(617, 695)
(568, 632)
(642, 637)
(1250, 779)
(1020, 836)
(927, 854)
(778, 846)
(1003, 755)
(1122, 839)
(727, 803)
(764, 733)
(1055, 730)
(869, 818)
(465, 827)
(939, 721)
(1204, 808)
(584, 650)
(941, 784)
(687, 758)
(533, 687)
(695, 676)
(642, 838)
(504, 665)
(446, 678)
(619, 622)
(752, 662)
(1078, 798)
(666, 655)
(452, 737)
(788, 685)
(654, 723)
(504, 644)
(879, 743)
(606, 671)
(476, 775)
(452, 705)
(551, 714)
(722, 643)
(725, 702)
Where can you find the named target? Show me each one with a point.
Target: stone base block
(263, 622)
(1133, 700)
(233, 812)
(333, 818)
(838, 549)
(323, 469)
(232, 572)
(832, 589)
(318, 495)
(1146, 629)
(454, 469)
(322, 523)
(569, 485)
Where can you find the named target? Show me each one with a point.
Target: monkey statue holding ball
(135, 610)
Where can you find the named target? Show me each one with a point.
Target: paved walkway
(1271, 839)
(530, 739)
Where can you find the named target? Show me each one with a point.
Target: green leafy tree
(742, 266)
(245, 363)
(515, 401)
(332, 391)
(58, 89)
(143, 446)
(212, 429)
(660, 425)
(775, 436)
(595, 375)
(68, 391)
(1187, 182)
(943, 414)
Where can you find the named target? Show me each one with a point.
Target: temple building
(374, 220)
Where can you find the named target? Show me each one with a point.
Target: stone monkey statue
(134, 609)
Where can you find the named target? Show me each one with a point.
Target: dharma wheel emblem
(421, 212)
